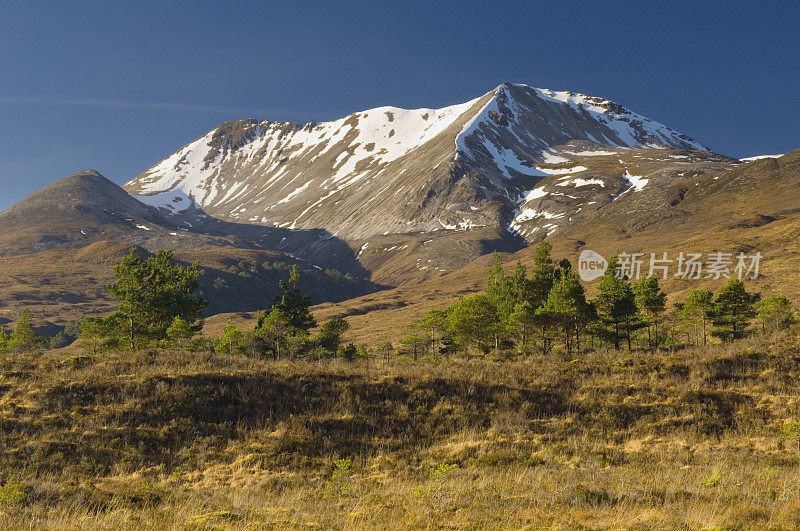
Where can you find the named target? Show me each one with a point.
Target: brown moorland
(170, 439)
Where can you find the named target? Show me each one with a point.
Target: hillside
(436, 191)
(751, 208)
(58, 248)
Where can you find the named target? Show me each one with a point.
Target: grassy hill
(169, 439)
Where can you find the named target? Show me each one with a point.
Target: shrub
(14, 493)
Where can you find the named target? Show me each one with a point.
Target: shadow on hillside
(334, 273)
(317, 246)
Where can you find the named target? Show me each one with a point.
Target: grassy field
(686, 440)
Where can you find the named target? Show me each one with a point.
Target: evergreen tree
(61, 339)
(294, 303)
(652, 303)
(434, 326)
(385, 348)
(475, 321)
(23, 337)
(180, 331)
(5, 339)
(522, 325)
(566, 304)
(273, 328)
(498, 288)
(231, 341)
(542, 275)
(416, 343)
(519, 285)
(348, 352)
(546, 324)
(694, 313)
(330, 334)
(616, 307)
(93, 331)
(732, 311)
(775, 313)
(152, 293)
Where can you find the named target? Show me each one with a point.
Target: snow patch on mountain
(173, 201)
(633, 183)
(577, 182)
(761, 157)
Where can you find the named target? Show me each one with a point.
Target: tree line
(547, 308)
(541, 310)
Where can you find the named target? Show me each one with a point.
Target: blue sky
(118, 86)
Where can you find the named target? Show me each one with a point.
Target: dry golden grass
(685, 440)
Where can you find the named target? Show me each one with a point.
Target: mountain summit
(387, 175)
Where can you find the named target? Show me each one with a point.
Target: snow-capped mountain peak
(498, 166)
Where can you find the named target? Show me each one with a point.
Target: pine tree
(733, 310)
(775, 313)
(273, 328)
(330, 334)
(294, 303)
(546, 323)
(231, 341)
(475, 321)
(542, 275)
(23, 337)
(519, 285)
(522, 324)
(93, 331)
(385, 348)
(566, 304)
(180, 331)
(616, 307)
(5, 338)
(694, 312)
(152, 293)
(434, 326)
(498, 288)
(652, 303)
(130, 290)
(416, 343)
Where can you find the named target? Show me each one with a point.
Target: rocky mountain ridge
(497, 172)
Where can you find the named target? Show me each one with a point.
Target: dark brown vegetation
(700, 438)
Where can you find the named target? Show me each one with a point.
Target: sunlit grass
(693, 439)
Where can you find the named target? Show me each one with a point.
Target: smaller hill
(72, 212)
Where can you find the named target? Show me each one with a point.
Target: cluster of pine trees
(540, 310)
(23, 337)
(284, 330)
(548, 309)
(160, 307)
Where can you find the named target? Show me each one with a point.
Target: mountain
(415, 193)
(72, 211)
(58, 248)
(381, 198)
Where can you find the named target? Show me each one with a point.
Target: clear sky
(118, 86)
